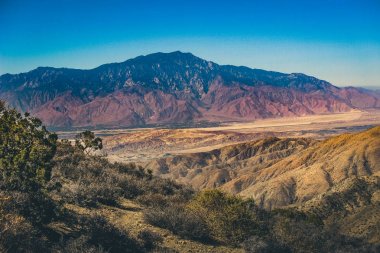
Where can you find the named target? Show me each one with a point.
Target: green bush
(230, 219)
(87, 142)
(26, 151)
(178, 220)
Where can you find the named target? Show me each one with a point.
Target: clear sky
(335, 40)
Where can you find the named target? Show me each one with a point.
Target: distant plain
(142, 145)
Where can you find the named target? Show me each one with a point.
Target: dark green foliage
(26, 151)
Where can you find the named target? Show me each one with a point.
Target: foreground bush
(230, 219)
(257, 244)
(77, 245)
(149, 240)
(210, 216)
(305, 236)
(26, 151)
(90, 180)
(103, 235)
(16, 233)
(37, 208)
(178, 220)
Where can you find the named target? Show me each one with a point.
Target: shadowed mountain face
(172, 88)
(278, 172)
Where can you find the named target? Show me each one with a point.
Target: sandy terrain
(292, 123)
(144, 144)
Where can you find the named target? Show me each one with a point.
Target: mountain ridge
(172, 88)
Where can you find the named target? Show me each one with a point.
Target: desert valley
(205, 132)
(189, 126)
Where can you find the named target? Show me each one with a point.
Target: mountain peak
(174, 87)
(171, 56)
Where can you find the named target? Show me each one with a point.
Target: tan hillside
(355, 203)
(278, 172)
(215, 168)
(313, 171)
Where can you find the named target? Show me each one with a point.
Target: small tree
(26, 151)
(87, 142)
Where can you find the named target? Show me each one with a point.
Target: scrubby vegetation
(52, 194)
(216, 217)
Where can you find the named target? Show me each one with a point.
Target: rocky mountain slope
(172, 88)
(278, 172)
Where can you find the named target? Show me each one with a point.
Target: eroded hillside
(278, 172)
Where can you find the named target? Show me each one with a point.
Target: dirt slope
(278, 172)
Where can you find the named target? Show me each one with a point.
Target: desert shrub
(17, 234)
(149, 239)
(131, 169)
(87, 142)
(306, 236)
(163, 186)
(77, 245)
(153, 200)
(86, 193)
(26, 151)
(210, 215)
(104, 235)
(178, 220)
(159, 200)
(88, 180)
(296, 215)
(131, 186)
(38, 208)
(299, 235)
(230, 219)
(256, 244)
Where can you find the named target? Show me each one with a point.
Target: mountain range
(167, 88)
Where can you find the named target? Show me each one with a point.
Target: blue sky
(335, 40)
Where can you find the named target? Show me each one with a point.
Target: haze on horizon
(334, 40)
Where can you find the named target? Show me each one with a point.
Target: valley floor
(143, 145)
